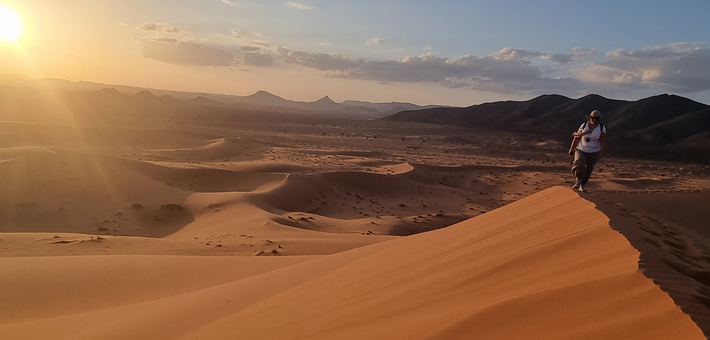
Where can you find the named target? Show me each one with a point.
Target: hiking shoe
(581, 188)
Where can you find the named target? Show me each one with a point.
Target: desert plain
(269, 224)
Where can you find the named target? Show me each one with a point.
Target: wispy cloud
(557, 58)
(298, 5)
(231, 3)
(163, 28)
(258, 59)
(515, 54)
(172, 51)
(375, 41)
(245, 34)
(573, 55)
(250, 48)
(165, 39)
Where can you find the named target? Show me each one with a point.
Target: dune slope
(545, 267)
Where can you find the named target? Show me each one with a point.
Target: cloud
(231, 3)
(570, 56)
(678, 67)
(492, 73)
(515, 54)
(250, 48)
(261, 43)
(162, 27)
(321, 61)
(258, 59)
(184, 53)
(573, 55)
(165, 39)
(298, 5)
(681, 67)
(245, 34)
(375, 41)
(560, 58)
(582, 52)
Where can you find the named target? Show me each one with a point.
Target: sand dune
(70, 191)
(532, 270)
(237, 149)
(64, 190)
(377, 198)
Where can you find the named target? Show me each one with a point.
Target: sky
(445, 52)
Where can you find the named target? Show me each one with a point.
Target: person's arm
(602, 142)
(575, 141)
(577, 137)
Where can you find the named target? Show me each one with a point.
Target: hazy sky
(425, 52)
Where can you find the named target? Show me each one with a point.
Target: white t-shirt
(590, 142)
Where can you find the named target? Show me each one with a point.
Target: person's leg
(579, 166)
(591, 161)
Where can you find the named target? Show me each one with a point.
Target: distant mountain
(260, 99)
(667, 121)
(263, 99)
(205, 101)
(388, 108)
(326, 102)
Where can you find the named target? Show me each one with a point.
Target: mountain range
(664, 122)
(667, 126)
(260, 99)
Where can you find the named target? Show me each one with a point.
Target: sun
(10, 25)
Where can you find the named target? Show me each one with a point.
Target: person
(587, 146)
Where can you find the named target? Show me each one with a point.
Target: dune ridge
(532, 269)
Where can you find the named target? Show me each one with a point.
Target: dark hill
(641, 127)
(325, 103)
(266, 99)
(205, 101)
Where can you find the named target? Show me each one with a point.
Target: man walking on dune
(587, 146)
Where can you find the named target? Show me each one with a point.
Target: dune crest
(218, 149)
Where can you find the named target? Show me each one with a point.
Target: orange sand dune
(545, 267)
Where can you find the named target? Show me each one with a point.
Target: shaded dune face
(66, 191)
(345, 195)
(69, 191)
(204, 179)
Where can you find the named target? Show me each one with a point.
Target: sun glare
(10, 25)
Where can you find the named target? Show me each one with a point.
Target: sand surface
(532, 269)
(266, 226)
